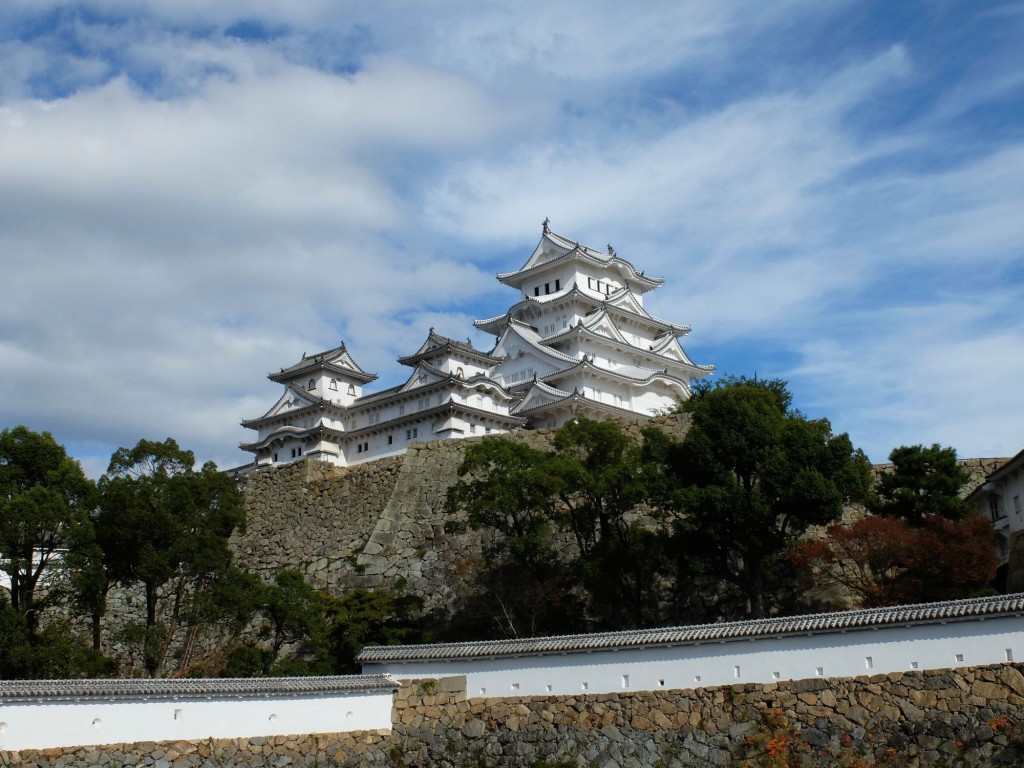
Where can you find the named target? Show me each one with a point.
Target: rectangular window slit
(661, 683)
(819, 671)
(959, 657)
(625, 681)
(584, 686)
(696, 678)
(736, 671)
(776, 675)
(913, 665)
(515, 686)
(548, 688)
(1009, 654)
(869, 663)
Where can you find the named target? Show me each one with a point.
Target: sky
(193, 194)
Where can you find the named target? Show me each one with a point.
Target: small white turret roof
(554, 248)
(336, 361)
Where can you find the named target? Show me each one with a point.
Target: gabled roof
(291, 392)
(534, 340)
(281, 434)
(622, 302)
(628, 373)
(670, 348)
(841, 621)
(553, 248)
(437, 345)
(412, 387)
(337, 361)
(540, 395)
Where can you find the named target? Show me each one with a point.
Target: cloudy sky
(193, 194)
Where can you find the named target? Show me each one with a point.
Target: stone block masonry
(968, 716)
(374, 524)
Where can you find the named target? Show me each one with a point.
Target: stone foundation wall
(374, 524)
(966, 717)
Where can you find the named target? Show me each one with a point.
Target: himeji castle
(577, 342)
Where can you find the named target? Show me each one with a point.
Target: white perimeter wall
(762, 660)
(68, 724)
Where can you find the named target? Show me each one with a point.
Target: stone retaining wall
(968, 717)
(374, 524)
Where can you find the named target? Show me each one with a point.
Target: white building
(999, 498)
(578, 341)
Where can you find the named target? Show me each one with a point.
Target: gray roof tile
(12, 691)
(868, 618)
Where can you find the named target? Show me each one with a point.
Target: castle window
(994, 508)
(547, 288)
(351, 389)
(300, 450)
(391, 439)
(460, 373)
(359, 448)
(558, 285)
(293, 453)
(536, 290)
(334, 384)
(312, 384)
(275, 457)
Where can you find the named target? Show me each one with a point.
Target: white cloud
(199, 208)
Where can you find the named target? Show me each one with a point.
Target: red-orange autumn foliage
(885, 561)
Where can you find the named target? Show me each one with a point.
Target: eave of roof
(571, 248)
(22, 691)
(411, 418)
(445, 345)
(842, 621)
(619, 374)
(285, 375)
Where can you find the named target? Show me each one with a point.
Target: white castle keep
(578, 342)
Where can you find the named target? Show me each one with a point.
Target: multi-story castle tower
(578, 342)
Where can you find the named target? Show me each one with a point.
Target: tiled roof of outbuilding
(189, 688)
(842, 621)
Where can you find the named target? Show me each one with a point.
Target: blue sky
(194, 194)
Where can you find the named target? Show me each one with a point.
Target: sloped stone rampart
(374, 524)
(967, 717)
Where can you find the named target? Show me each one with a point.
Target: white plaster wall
(67, 724)
(842, 654)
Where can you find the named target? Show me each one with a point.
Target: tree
(571, 518)
(363, 617)
(165, 525)
(45, 500)
(887, 561)
(752, 476)
(923, 481)
(50, 652)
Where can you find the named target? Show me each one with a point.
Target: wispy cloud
(191, 195)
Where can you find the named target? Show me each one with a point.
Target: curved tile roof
(868, 618)
(188, 688)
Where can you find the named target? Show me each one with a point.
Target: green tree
(165, 525)
(45, 500)
(571, 517)
(752, 476)
(363, 617)
(923, 481)
(50, 652)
